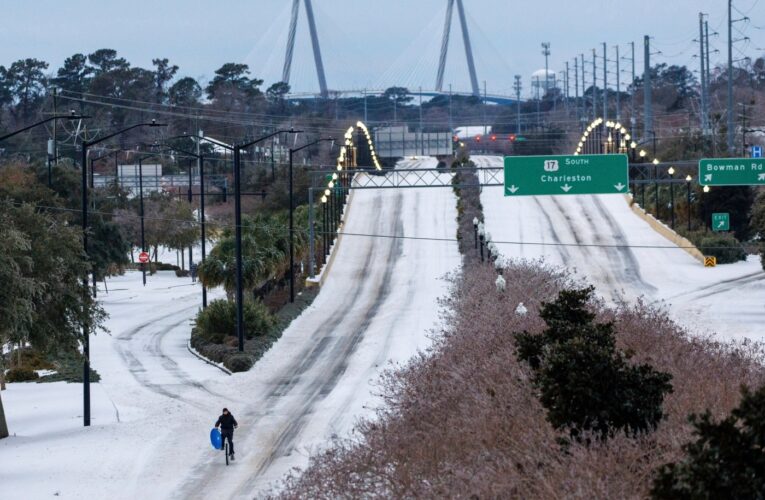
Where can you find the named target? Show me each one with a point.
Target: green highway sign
(720, 222)
(732, 171)
(566, 174)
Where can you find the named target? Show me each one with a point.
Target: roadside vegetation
(533, 388)
(471, 417)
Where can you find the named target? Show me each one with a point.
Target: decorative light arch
(615, 138)
(617, 135)
(343, 159)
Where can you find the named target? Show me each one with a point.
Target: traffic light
(511, 137)
(478, 138)
(493, 138)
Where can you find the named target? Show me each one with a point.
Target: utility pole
(546, 53)
(594, 84)
(422, 148)
(702, 59)
(618, 87)
(731, 41)
(708, 73)
(537, 89)
(605, 83)
(483, 108)
(576, 87)
(743, 129)
(730, 76)
(451, 125)
(647, 105)
(517, 88)
(565, 83)
(55, 135)
(633, 119)
(584, 89)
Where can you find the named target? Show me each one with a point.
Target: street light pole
(671, 173)
(201, 166)
(84, 187)
(688, 200)
(237, 148)
(292, 210)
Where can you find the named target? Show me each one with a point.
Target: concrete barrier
(318, 280)
(665, 231)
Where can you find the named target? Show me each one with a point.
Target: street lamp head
(671, 171)
(655, 161)
(688, 178)
(706, 189)
(475, 222)
(642, 153)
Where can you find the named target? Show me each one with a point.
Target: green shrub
(21, 375)
(727, 460)
(163, 266)
(585, 383)
(724, 246)
(182, 273)
(239, 362)
(218, 321)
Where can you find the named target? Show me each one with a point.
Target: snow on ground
(150, 384)
(724, 299)
(156, 402)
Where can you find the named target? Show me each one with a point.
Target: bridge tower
(445, 47)
(314, 43)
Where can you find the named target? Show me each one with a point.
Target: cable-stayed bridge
(437, 89)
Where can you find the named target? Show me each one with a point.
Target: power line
(383, 236)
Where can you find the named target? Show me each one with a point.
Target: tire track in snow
(339, 357)
(126, 344)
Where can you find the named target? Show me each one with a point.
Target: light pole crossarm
(114, 134)
(247, 144)
(312, 143)
(42, 122)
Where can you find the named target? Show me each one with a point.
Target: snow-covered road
(603, 240)
(376, 306)
(156, 402)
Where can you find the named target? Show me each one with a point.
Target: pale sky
(374, 43)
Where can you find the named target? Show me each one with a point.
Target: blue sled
(215, 439)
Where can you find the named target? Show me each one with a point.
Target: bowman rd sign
(572, 174)
(732, 172)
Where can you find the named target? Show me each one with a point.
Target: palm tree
(263, 256)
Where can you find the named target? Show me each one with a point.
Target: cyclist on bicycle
(227, 424)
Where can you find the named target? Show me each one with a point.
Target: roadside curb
(206, 360)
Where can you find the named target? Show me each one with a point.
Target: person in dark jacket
(227, 424)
